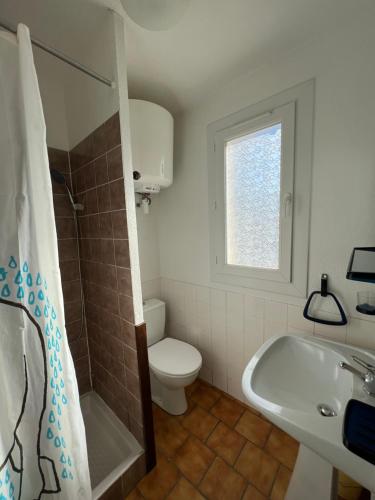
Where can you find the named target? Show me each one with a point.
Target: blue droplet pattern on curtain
(18, 282)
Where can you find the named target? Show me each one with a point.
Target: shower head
(57, 176)
(60, 179)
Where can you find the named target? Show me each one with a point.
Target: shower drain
(326, 410)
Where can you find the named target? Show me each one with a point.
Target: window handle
(287, 204)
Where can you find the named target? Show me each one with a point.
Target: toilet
(173, 364)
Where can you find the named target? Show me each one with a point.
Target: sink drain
(326, 410)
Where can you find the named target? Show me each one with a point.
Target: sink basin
(287, 380)
(299, 374)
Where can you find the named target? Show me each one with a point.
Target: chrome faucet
(368, 378)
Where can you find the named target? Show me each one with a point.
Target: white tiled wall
(229, 327)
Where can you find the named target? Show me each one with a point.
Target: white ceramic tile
(206, 358)
(218, 338)
(337, 333)
(252, 305)
(320, 305)
(298, 332)
(177, 331)
(190, 314)
(228, 328)
(361, 333)
(176, 303)
(202, 294)
(206, 375)
(219, 377)
(235, 342)
(235, 382)
(296, 321)
(235, 327)
(167, 294)
(203, 323)
(275, 319)
(254, 327)
(218, 320)
(253, 338)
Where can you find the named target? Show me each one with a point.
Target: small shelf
(366, 309)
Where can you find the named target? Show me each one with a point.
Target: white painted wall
(90, 103)
(229, 324)
(148, 245)
(50, 78)
(74, 104)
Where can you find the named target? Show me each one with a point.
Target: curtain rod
(63, 57)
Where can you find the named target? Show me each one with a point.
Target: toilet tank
(154, 316)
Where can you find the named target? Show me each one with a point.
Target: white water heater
(151, 129)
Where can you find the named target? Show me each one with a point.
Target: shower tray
(111, 448)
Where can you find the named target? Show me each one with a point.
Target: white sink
(286, 380)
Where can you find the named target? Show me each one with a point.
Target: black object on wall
(362, 265)
(323, 292)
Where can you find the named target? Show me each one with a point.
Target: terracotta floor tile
(134, 495)
(169, 436)
(281, 484)
(258, 467)
(193, 459)
(191, 388)
(160, 481)
(254, 410)
(227, 410)
(200, 423)
(283, 447)
(345, 480)
(197, 450)
(222, 482)
(191, 406)
(226, 442)
(254, 428)
(160, 454)
(252, 493)
(184, 491)
(351, 493)
(159, 415)
(205, 395)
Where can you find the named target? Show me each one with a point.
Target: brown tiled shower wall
(98, 183)
(107, 341)
(100, 322)
(67, 238)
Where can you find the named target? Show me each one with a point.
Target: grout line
(274, 479)
(232, 467)
(239, 453)
(213, 430)
(110, 181)
(94, 159)
(82, 216)
(199, 482)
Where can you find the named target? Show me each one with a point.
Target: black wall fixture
(362, 265)
(323, 292)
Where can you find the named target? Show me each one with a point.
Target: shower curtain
(42, 436)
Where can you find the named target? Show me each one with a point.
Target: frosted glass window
(259, 165)
(253, 198)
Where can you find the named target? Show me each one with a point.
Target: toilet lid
(173, 357)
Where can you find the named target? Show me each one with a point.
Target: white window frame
(292, 108)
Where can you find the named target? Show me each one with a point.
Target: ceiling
(215, 41)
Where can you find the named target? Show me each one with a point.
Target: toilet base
(173, 401)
